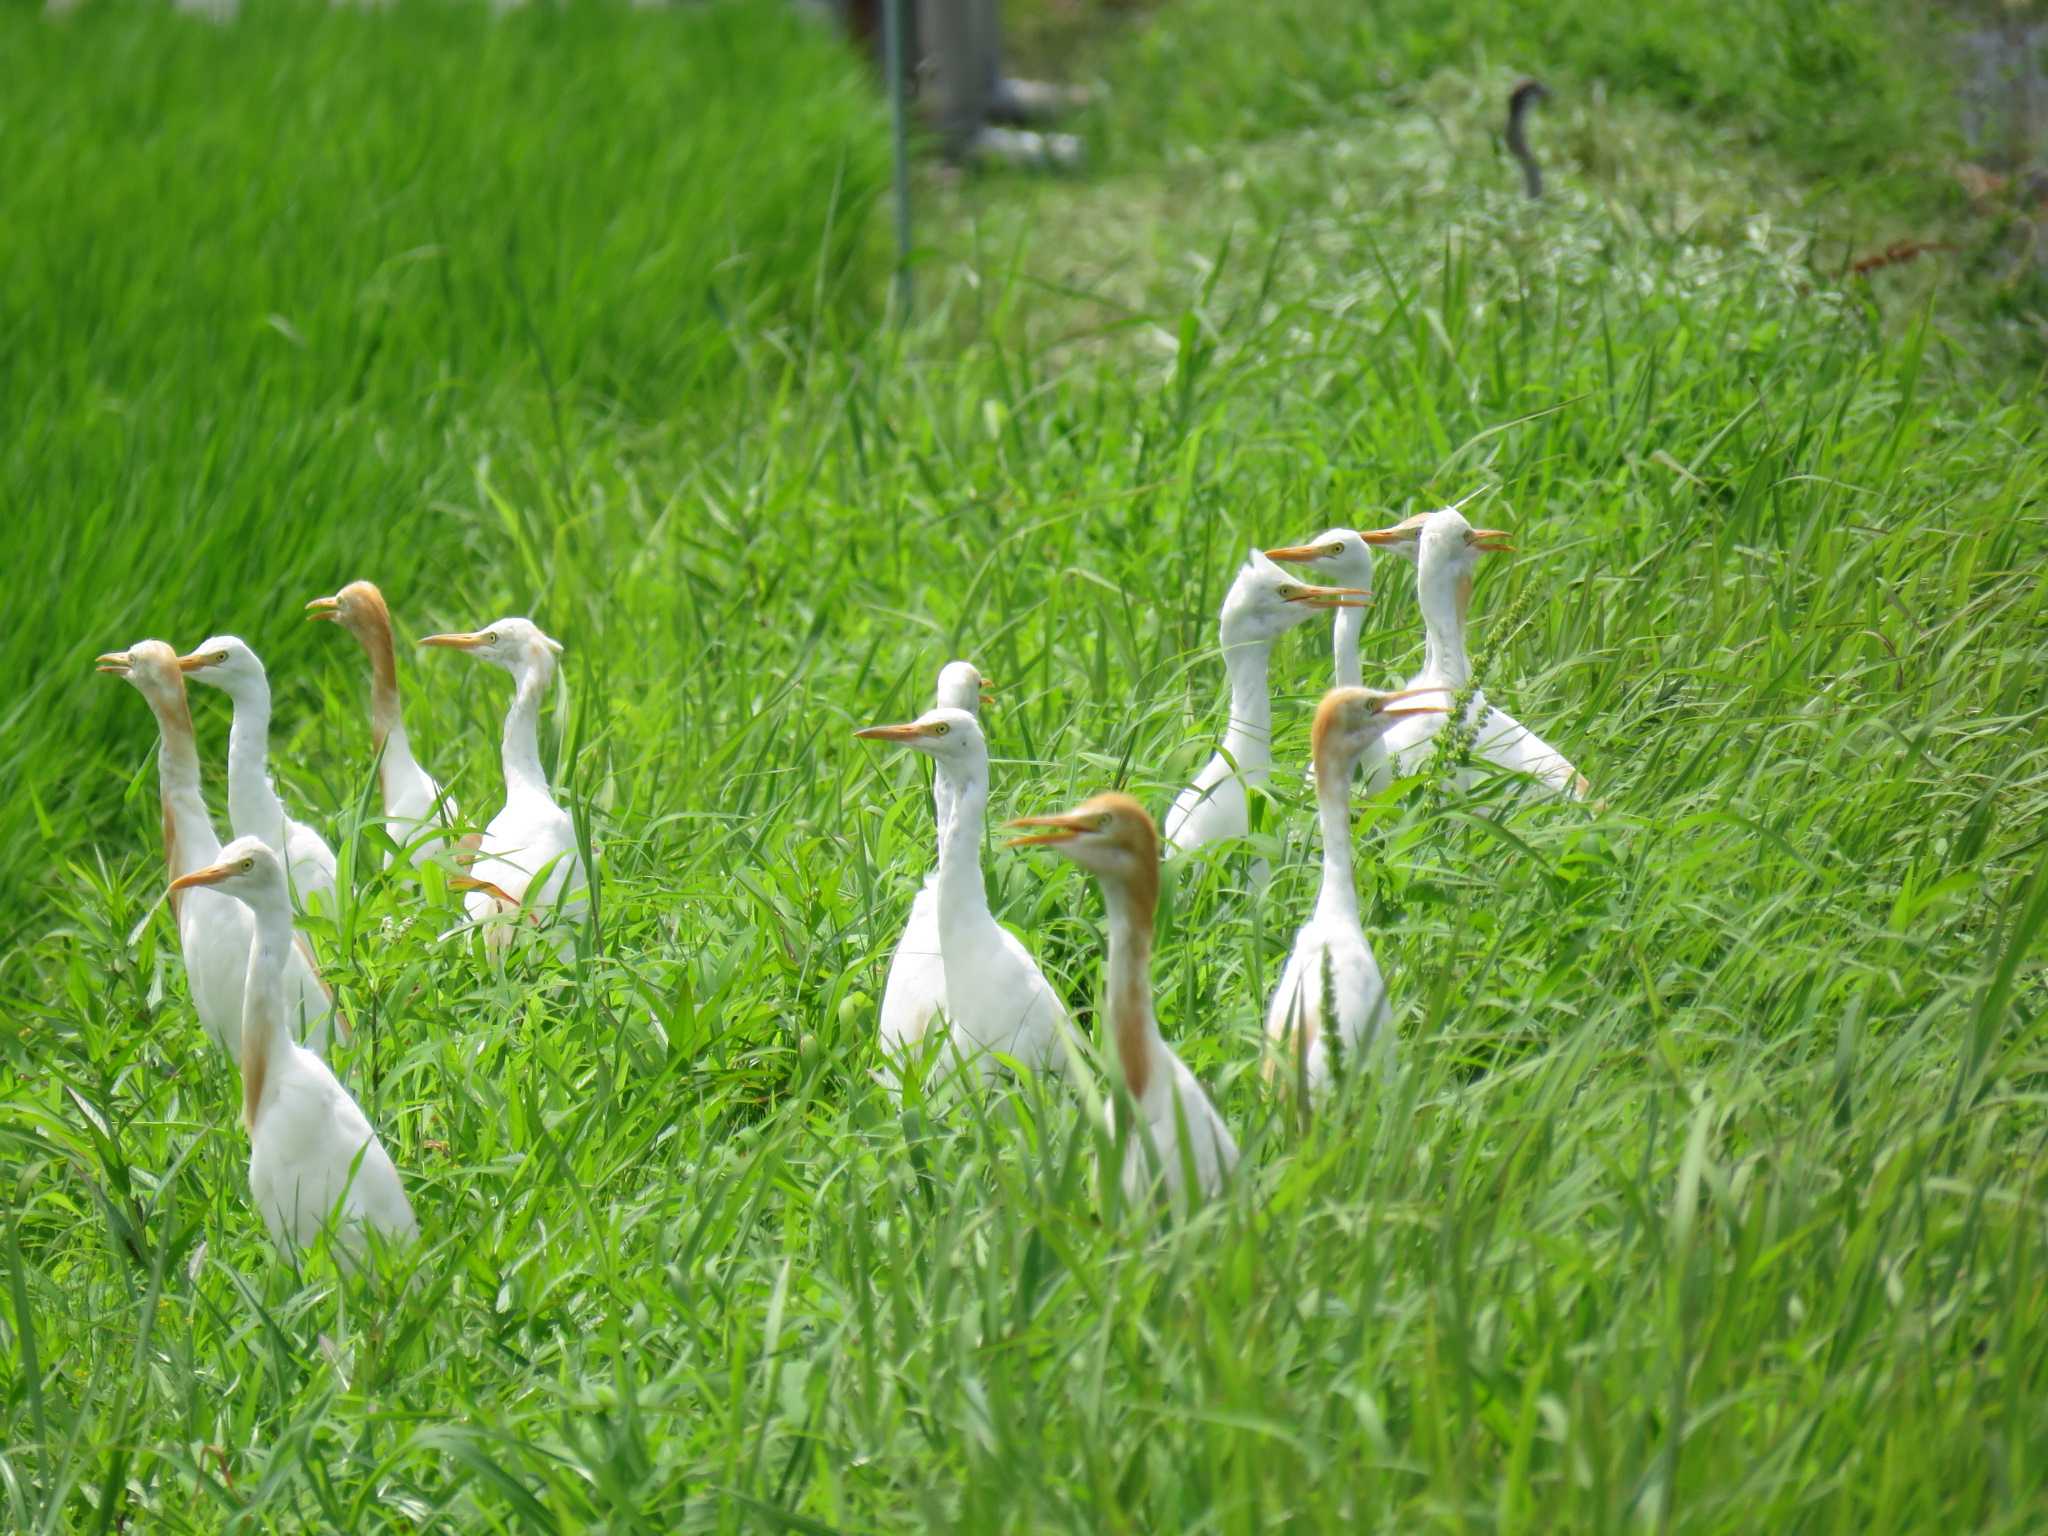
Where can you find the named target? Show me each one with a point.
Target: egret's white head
(514, 644)
(961, 686)
(1265, 602)
(1446, 551)
(1351, 719)
(248, 870)
(1108, 835)
(224, 662)
(1341, 554)
(152, 667)
(358, 608)
(950, 735)
(1440, 537)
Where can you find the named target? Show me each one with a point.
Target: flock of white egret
(957, 971)
(962, 991)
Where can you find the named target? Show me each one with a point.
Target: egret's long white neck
(1444, 591)
(189, 839)
(1339, 894)
(387, 722)
(942, 806)
(1345, 631)
(961, 793)
(522, 727)
(1248, 739)
(266, 1034)
(1131, 906)
(253, 805)
(942, 788)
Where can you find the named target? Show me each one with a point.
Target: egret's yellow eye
(490, 637)
(1336, 548)
(248, 864)
(220, 655)
(1102, 822)
(941, 728)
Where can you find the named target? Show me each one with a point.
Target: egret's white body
(997, 999)
(1178, 1136)
(914, 993)
(1331, 1003)
(314, 1162)
(254, 806)
(1263, 603)
(1446, 551)
(214, 931)
(418, 812)
(532, 839)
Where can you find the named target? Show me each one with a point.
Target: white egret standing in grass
(214, 933)
(997, 999)
(414, 804)
(1446, 551)
(915, 992)
(1331, 1002)
(1263, 603)
(254, 806)
(313, 1158)
(532, 838)
(1179, 1134)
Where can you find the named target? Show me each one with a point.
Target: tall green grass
(1708, 1197)
(1844, 89)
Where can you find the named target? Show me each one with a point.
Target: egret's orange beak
(323, 608)
(1401, 533)
(1331, 597)
(471, 883)
(1489, 541)
(213, 874)
(1059, 829)
(988, 690)
(116, 662)
(910, 732)
(1304, 554)
(457, 642)
(194, 662)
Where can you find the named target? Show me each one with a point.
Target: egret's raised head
(1265, 601)
(1350, 719)
(961, 686)
(225, 663)
(1443, 534)
(1341, 554)
(151, 666)
(949, 734)
(246, 869)
(1109, 835)
(358, 608)
(514, 644)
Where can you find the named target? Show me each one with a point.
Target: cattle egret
(532, 838)
(416, 809)
(1331, 1003)
(998, 1001)
(1179, 1139)
(314, 1162)
(1263, 603)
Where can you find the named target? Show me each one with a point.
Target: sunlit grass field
(1709, 1193)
